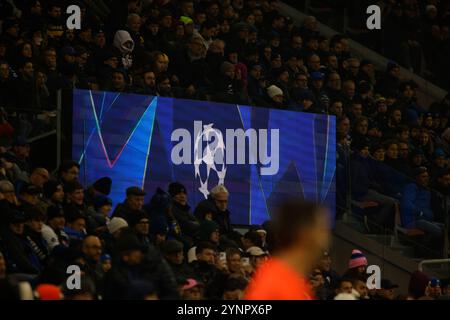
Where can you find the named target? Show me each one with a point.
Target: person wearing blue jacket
(416, 209)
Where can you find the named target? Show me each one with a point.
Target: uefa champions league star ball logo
(235, 147)
(213, 156)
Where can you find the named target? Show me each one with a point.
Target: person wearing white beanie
(275, 93)
(116, 224)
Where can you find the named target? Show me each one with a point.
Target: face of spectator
(440, 162)
(207, 255)
(234, 263)
(22, 151)
(118, 81)
(28, 70)
(345, 287)
(392, 151)
(132, 258)
(221, 200)
(69, 58)
(357, 110)
(408, 92)
(77, 197)
(196, 47)
(444, 181)
(105, 210)
(362, 127)
(255, 73)
(344, 126)
(35, 225)
(149, 79)
(423, 179)
(224, 27)
(259, 17)
(324, 45)
(353, 66)
(160, 64)
(181, 198)
(113, 62)
(336, 108)
(379, 154)
(256, 262)
(188, 29)
(27, 52)
(428, 122)
(143, 227)
(50, 58)
(195, 293)
(58, 196)
(217, 47)
(325, 264)
(312, 44)
(361, 288)
(403, 150)
(314, 62)
(153, 28)
(36, 8)
(424, 138)
(92, 248)
(364, 152)
(276, 63)
(233, 295)
(165, 87)
(135, 6)
(4, 71)
(57, 223)
(250, 19)
(349, 89)
(78, 225)
(302, 81)
(334, 81)
(417, 160)
(215, 236)
(233, 57)
(17, 228)
(134, 23)
(100, 40)
(284, 77)
(396, 116)
(200, 17)
(166, 22)
(55, 12)
(82, 59)
(30, 198)
(317, 84)
(176, 258)
(135, 202)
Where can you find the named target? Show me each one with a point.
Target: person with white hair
(215, 208)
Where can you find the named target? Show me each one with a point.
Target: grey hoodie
(120, 38)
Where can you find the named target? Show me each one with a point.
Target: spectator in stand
(356, 265)
(416, 209)
(134, 201)
(180, 209)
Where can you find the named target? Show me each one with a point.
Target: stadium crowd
(390, 149)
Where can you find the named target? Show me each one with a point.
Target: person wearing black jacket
(180, 209)
(217, 206)
(205, 270)
(134, 264)
(33, 234)
(174, 254)
(19, 254)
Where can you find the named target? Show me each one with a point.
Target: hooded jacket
(120, 38)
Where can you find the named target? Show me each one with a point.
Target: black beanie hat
(103, 185)
(176, 188)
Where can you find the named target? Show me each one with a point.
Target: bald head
(39, 177)
(92, 248)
